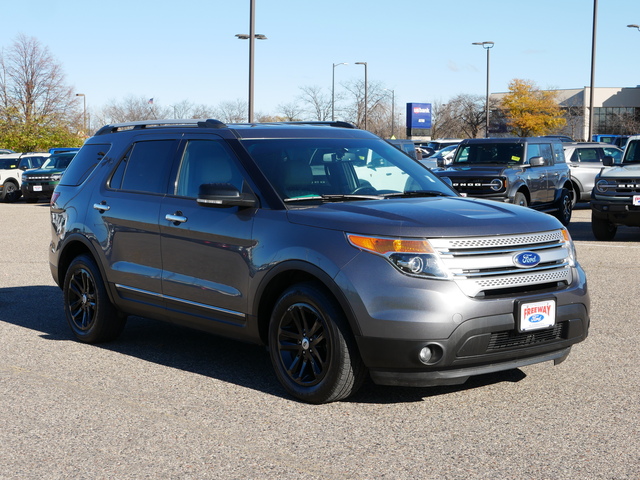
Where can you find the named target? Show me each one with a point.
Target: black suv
(327, 244)
(527, 171)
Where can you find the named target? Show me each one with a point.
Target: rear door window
(145, 167)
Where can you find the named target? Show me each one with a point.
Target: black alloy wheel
(565, 207)
(312, 350)
(89, 311)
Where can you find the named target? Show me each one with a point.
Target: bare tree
(291, 111)
(131, 109)
(36, 103)
(464, 116)
(233, 112)
(317, 102)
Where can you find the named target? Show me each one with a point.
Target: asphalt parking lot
(168, 403)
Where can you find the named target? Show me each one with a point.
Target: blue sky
(421, 49)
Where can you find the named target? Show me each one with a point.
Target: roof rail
(333, 123)
(144, 124)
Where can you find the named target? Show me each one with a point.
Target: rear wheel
(312, 350)
(602, 228)
(89, 311)
(565, 207)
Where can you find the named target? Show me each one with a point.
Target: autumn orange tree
(531, 111)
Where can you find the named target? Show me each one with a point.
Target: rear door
(124, 216)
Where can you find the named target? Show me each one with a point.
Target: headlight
(603, 185)
(410, 256)
(570, 247)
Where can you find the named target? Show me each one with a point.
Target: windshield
(495, 153)
(59, 160)
(8, 163)
(324, 169)
(632, 154)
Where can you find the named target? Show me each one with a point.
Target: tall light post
(593, 69)
(365, 92)
(393, 111)
(633, 25)
(487, 46)
(333, 90)
(251, 37)
(84, 112)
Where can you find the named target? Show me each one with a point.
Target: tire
(520, 199)
(565, 207)
(602, 228)
(312, 350)
(89, 311)
(10, 192)
(575, 196)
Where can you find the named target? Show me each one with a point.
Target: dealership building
(616, 111)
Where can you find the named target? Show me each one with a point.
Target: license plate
(636, 199)
(37, 188)
(537, 315)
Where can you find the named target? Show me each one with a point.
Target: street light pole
(634, 26)
(593, 69)
(393, 113)
(333, 90)
(84, 112)
(251, 37)
(487, 46)
(365, 92)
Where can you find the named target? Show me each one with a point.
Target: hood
(425, 217)
(475, 170)
(621, 171)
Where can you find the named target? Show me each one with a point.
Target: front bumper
(44, 189)
(619, 212)
(469, 336)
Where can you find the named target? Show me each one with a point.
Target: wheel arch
(73, 247)
(290, 273)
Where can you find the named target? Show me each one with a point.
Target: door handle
(101, 207)
(177, 218)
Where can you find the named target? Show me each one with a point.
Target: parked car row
(32, 175)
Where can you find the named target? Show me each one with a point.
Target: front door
(206, 251)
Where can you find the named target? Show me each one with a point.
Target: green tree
(531, 111)
(37, 109)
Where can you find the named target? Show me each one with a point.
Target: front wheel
(10, 192)
(520, 199)
(89, 311)
(312, 350)
(602, 228)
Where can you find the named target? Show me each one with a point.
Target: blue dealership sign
(418, 115)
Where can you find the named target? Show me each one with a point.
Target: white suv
(11, 167)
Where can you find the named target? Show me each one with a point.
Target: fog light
(425, 355)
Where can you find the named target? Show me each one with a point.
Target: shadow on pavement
(40, 308)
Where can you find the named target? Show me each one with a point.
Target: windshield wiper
(334, 198)
(417, 193)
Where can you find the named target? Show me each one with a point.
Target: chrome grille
(480, 265)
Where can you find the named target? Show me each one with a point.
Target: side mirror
(224, 195)
(607, 161)
(536, 161)
(440, 162)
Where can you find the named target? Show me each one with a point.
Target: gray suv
(341, 254)
(528, 171)
(585, 162)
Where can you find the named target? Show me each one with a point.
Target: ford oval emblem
(536, 318)
(526, 259)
